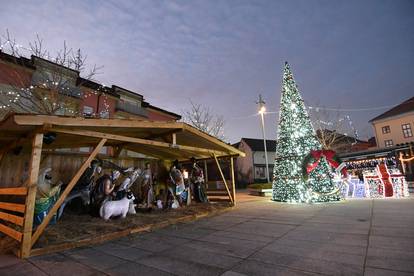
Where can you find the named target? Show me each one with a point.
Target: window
(407, 132)
(87, 111)
(386, 129)
(104, 114)
(388, 143)
(259, 172)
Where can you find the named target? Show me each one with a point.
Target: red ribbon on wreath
(317, 154)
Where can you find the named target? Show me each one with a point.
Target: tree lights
(296, 138)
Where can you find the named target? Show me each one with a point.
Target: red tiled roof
(404, 107)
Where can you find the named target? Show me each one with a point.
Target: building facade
(47, 82)
(252, 168)
(395, 126)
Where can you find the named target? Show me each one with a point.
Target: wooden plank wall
(14, 168)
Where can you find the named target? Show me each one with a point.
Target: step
(217, 193)
(216, 199)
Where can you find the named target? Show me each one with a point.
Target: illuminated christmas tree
(296, 139)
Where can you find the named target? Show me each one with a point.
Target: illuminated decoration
(33, 98)
(296, 138)
(377, 177)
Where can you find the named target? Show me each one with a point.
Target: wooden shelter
(161, 140)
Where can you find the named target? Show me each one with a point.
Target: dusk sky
(344, 54)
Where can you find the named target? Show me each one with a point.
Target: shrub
(260, 186)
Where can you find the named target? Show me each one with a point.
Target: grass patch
(261, 186)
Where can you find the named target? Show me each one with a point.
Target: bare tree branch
(54, 91)
(331, 130)
(202, 118)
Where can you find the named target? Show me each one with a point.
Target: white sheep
(116, 207)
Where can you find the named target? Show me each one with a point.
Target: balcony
(131, 108)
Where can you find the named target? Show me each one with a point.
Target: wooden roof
(147, 137)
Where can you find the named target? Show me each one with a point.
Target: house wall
(15, 75)
(244, 166)
(259, 157)
(259, 165)
(92, 99)
(154, 115)
(396, 133)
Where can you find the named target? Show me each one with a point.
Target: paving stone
(391, 262)
(317, 253)
(94, 258)
(308, 264)
(259, 237)
(262, 228)
(396, 243)
(122, 251)
(153, 242)
(233, 241)
(179, 266)
(131, 268)
(58, 264)
(390, 253)
(19, 269)
(229, 250)
(335, 238)
(251, 267)
(202, 257)
(242, 236)
(279, 221)
(324, 246)
(336, 228)
(8, 260)
(403, 232)
(370, 271)
(232, 273)
(185, 230)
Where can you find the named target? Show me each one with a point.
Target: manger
(28, 140)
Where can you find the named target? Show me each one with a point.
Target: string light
(296, 138)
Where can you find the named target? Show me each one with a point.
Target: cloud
(223, 53)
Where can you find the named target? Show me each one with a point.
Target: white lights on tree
(296, 138)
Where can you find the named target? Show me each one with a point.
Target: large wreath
(311, 161)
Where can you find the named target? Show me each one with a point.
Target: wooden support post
(402, 162)
(205, 172)
(64, 194)
(224, 179)
(174, 139)
(26, 244)
(233, 180)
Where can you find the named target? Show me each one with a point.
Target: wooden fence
(11, 213)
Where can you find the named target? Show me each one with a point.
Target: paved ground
(356, 237)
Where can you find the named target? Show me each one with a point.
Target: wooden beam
(39, 120)
(11, 232)
(12, 218)
(134, 140)
(67, 190)
(233, 182)
(224, 179)
(163, 134)
(12, 207)
(231, 150)
(31, 194)
(13, 191)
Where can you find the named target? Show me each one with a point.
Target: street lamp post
(262, 110)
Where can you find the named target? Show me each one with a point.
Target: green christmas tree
(296, 138)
